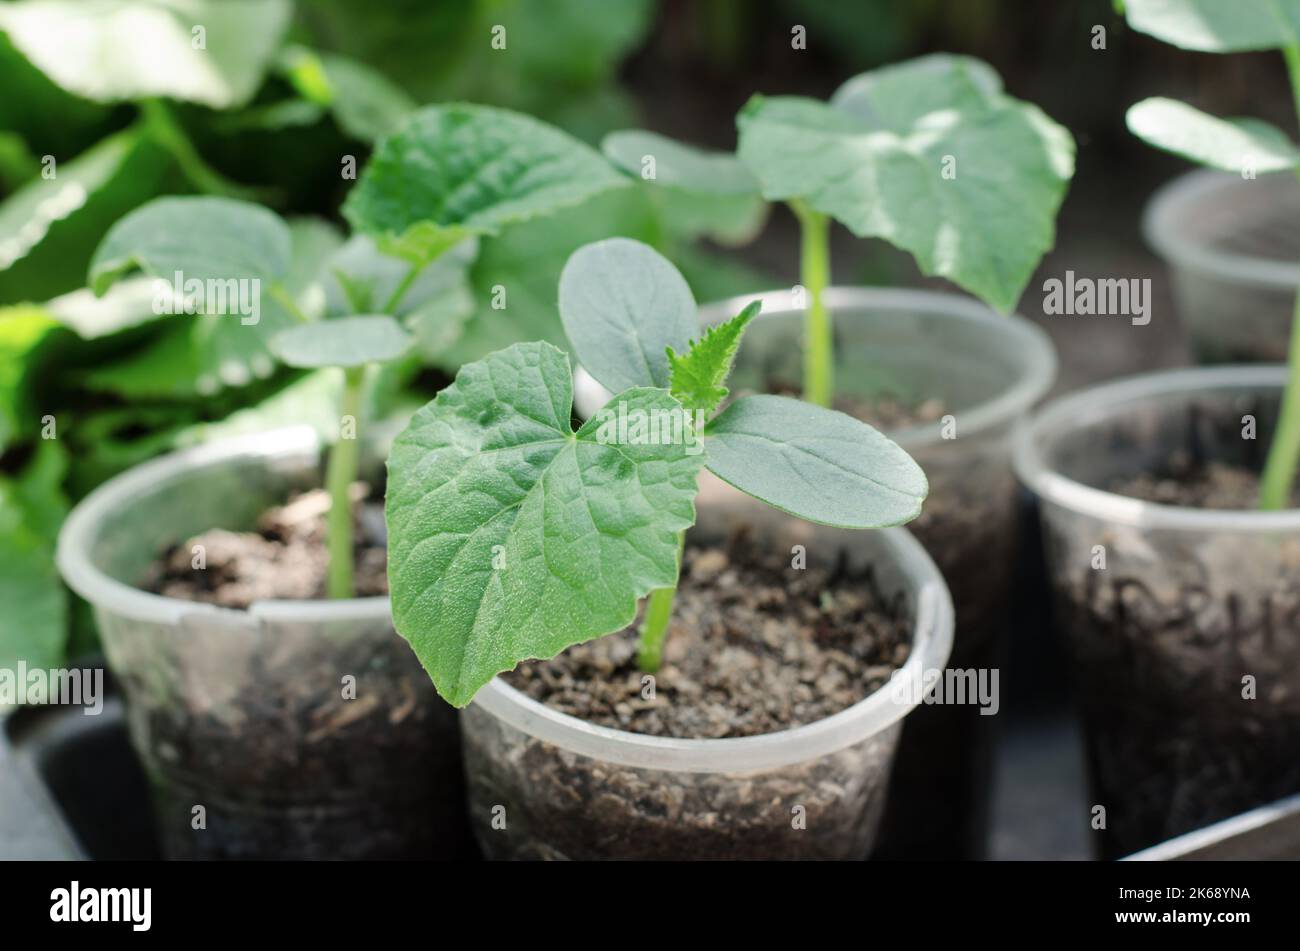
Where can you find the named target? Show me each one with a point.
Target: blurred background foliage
(299, 88)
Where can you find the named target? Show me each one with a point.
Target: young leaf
(697, 377)
(342, 342)
(1213, 26)
(703, 192)
(815, 463)
(452, 170)
(202, 238)
(930, 155)
(1228, 144)
(623, 305)
(511, 536)
(365, 103)
(110, 50)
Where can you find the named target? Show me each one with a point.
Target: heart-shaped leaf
(816, 463)
(455, 170)
(623, 304)
(213, 52)
(342, 342)
(509, 535)
(1213, 26)
(1228, 144)
(930, 155)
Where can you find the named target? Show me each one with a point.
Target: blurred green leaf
(366, 104)
(213, 52)
(1229, 144)
(1213, 26)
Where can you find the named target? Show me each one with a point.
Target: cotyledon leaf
(1213, 26)
(816, 463)
(511, 536)
(341, 342)
(1229, 144)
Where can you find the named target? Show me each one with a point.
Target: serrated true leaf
(1229, 144)
(202, 238)
(1215, 26)
(110, 50)
(696, 377)
(453, 170)
(816, 463)
(342, 342)
(929, 155)
(623, 305)
(510, 536)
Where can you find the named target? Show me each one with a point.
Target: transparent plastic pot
(543, 784)
(1233, 250)
(240, 717)
(1186, 638)
(986, 370)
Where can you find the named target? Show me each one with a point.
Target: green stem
(167, 132)
(654, 626)
(815, 275)
(390, 307)
(1284, 453)
(285, 300)
(340, 473)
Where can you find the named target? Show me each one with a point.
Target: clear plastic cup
(543, 784)
(1233, 250)
(985, 370)
(252, 741)
(1186, 637)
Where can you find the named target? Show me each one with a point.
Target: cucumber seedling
(1233, 145)
(512, 536)
(930, 155)
(447, 175)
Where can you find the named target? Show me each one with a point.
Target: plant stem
(390, 307)
(339, 476)
(167, 132)
(654, 626)
(285, 300)
(1284, 453)
(815, 275)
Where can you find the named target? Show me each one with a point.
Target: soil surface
(285, 558)
(1211, 486)
(755, 646)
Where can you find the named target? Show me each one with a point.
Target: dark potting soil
(1164, 654)
(1183, 483)
(285, 557)
(285, 764)
(755, 646)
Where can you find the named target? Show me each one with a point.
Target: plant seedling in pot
(447, 175)
(1234, 145)
(513, 536)
(932, 156)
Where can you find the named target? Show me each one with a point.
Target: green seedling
(930, 155)
(513, 536)
(448, 175)
(1234, 145)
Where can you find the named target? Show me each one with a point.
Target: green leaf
(458, 169)
(509, 535)
(702, 192)
(33, 626)
(1228, 144)
(111, 50)
(49, 227)
(815, 463)
(24, 331)
(929, 155)
(1213, 26)
(203, 238)
(365, 103)
(623, 304)
(515, 275)
(342, 342)
(697, 376)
